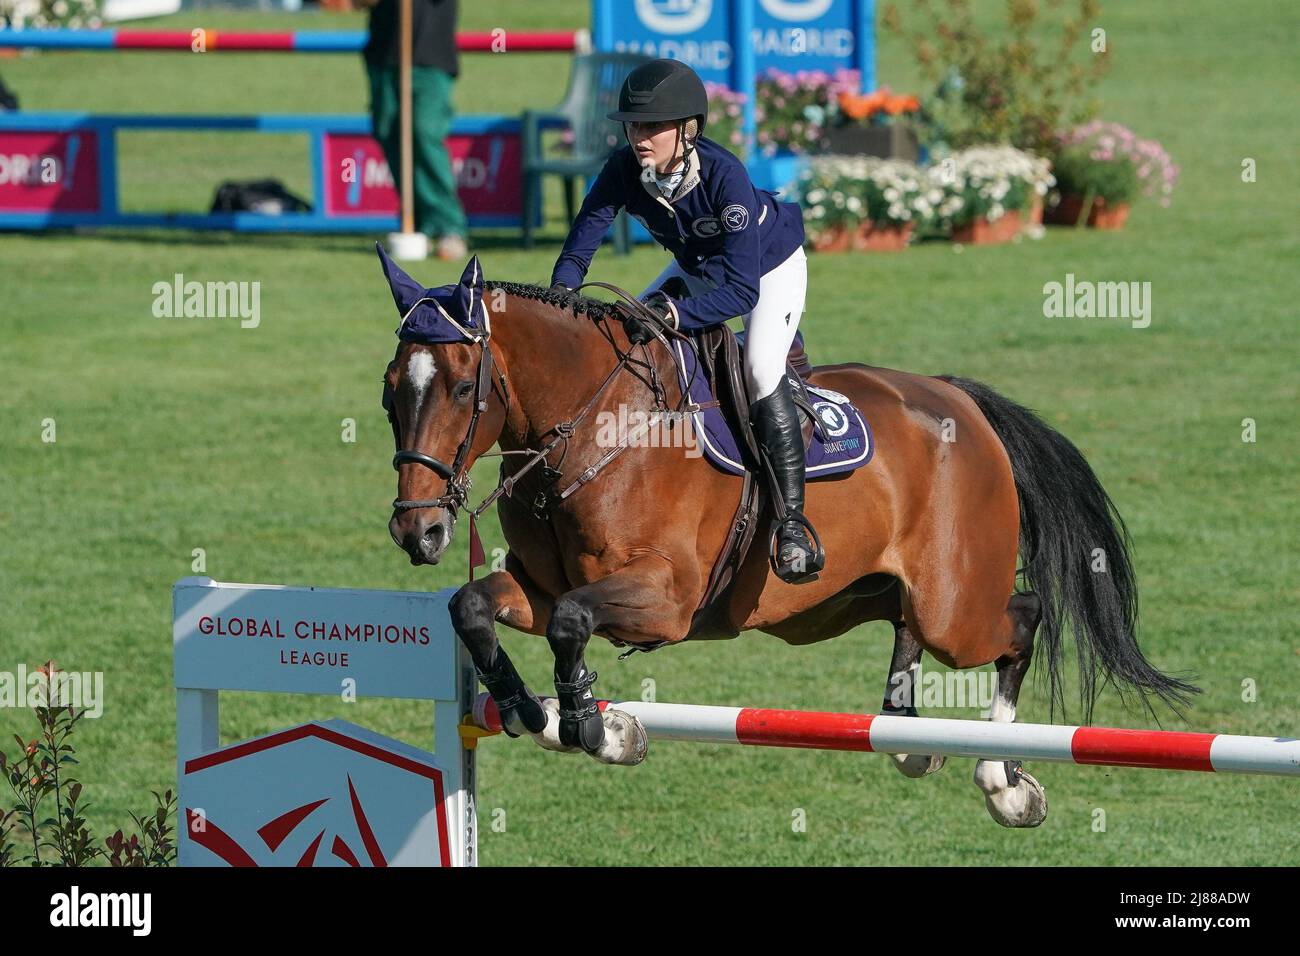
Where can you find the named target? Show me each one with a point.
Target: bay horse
(925, 536)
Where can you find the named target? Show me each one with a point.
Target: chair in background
(593, 91)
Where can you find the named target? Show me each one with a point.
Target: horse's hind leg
(1013, 797)
(900, 699)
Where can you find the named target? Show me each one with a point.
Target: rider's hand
(640, 329)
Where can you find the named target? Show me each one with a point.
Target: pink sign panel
(49, 171)
(487, 166)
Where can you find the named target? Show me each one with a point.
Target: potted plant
(791, 113)
(986, 189)
(831, 209)
(864, 202)
(1013, 79)
(1101, 168)
(896, 195)
(880, 123)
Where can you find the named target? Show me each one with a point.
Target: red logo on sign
(358, 181)
(49, 172)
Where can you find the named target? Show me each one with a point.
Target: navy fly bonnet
(449, 313)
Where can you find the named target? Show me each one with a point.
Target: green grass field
(183, 434)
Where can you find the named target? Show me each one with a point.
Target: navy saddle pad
(841, 439)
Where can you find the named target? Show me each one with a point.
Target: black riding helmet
(661, 91)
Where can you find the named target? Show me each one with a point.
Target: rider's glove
(641, 328)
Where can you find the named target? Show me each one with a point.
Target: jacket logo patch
(735, 217)
(706, 227)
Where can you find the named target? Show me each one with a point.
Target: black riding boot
(776, 425)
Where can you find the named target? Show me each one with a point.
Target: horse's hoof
(549, 737)
(917, 766)
(625, 742)
(1021, 803)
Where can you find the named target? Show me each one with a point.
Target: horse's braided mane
(560, 298)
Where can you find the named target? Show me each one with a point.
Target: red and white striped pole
(985, 740)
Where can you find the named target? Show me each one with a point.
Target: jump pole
(981, 739)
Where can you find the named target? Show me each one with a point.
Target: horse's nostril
(434, 535)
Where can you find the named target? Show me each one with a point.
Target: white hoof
(1018, 803)
(549, 738)
(625, 740)
(918, 765)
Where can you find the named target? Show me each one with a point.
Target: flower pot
(835, 239)
(883, 237)
(1108, 217)
(894, 141)
(1101, 216)
(981, 232)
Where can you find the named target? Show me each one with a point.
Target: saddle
(710, 366)
(716, 355)
(721, 357)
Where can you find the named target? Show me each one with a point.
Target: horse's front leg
(508, 596)
(636, 604)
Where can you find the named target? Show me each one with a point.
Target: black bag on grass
(265, 196)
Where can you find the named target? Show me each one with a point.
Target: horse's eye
(463, 390)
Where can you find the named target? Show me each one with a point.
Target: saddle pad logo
(735, 217)
(832, 418)
(706, 227)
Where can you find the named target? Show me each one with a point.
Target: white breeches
(770, 328)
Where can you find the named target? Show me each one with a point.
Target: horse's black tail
(1076, 553)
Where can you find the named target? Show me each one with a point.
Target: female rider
(738, 250)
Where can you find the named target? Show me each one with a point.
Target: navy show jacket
(717, 225)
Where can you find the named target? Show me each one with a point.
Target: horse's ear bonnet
(449, 313)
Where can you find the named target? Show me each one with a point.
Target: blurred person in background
(435, 65)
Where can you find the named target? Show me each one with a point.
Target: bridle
(457, 473)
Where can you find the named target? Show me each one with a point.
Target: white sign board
(311, 640)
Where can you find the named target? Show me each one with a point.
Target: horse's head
(438, 391)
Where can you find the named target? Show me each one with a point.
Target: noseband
(456, 474)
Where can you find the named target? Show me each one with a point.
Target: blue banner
(731, 41)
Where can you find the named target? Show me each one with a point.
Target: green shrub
(1019, 89)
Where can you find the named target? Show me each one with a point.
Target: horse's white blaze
(419, 372)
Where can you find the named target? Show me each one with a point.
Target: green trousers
(437, 208)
